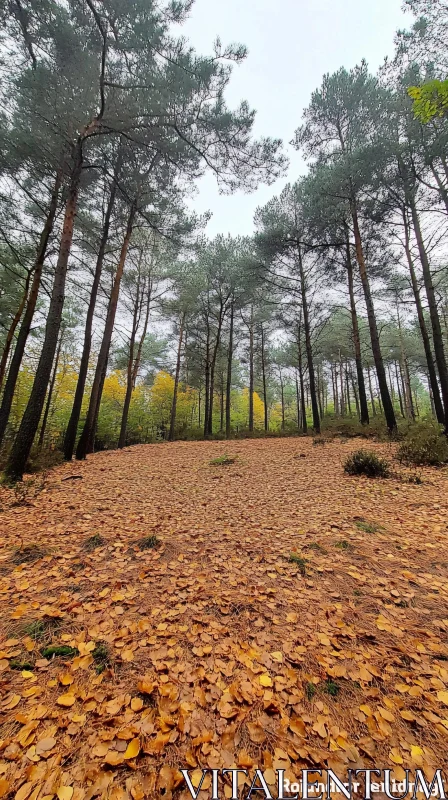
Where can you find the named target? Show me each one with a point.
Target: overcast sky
(292, 44)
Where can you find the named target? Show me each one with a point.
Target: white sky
(292, 44)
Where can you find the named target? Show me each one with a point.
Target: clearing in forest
(160, 611)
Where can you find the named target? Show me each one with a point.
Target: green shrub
(365, 462)
(425, 445)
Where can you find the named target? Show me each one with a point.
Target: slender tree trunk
(308, 345)
(213, 368)
(364, 409)
(229, 370)
(400, 398)
(334, 381)
(282, 394)
(298, 402)
(50, 396)
(176, 379)
(374, 336)
(347, 387)
(25, 327)
(30, 420)
(433, 312)
(221, 404)
(87, 439)
(355, 392)
(263, 372)
(207, 382)
(251, 373)
(12, 329)
(372, 398)
(302, 383)
(72, 427)
(130, 367)
(341, 379)
(432, 374)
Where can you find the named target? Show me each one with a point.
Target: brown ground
(221, 651)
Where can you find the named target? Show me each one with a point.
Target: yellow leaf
(277, 656)
(395, 756)
(66, 700)
(127, 655)
(145, 686)
(4, 787)
(136, 703)
(132, 749)
(443, 697)
(265, 680)
(65, 792)
(24, 791)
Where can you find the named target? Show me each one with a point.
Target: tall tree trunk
(400, 396)
(72, 427)
(263, 375)
(341, 379)
(298, 401)
(282, 394)
(308, 345)
(229, 369)
(355, 392)
(372, 398)
(347, 387)
(25, 327)
(433, 311)
(207, 381)
(364, 409)
(130, 367)
(374, 336)
(31, 417)
(432, 374)
(176, 379)
(12, 329)
(43, 427)
(251, 371)
(213, 368)
(87, 439)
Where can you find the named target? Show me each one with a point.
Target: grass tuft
(148, 542)
(299, 561)
(223, 461)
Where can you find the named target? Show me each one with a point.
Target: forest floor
(213, 648)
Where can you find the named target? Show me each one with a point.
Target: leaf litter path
(214, 649)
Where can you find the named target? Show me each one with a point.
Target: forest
(223, 458)
(121, 322)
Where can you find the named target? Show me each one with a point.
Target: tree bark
(87, 439)
(308, 345)
(432, 374)
(433, 311)
(251, 373)
(50, 396)
(25, 327)
(72, 427)
(374, 336)
(31, 417)
(364, 408)
(229, 369)
(213, 367)
(12, 329)
(130, 367)
(263, 371)
(176, 380)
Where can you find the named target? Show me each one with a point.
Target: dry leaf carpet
(159, 612)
